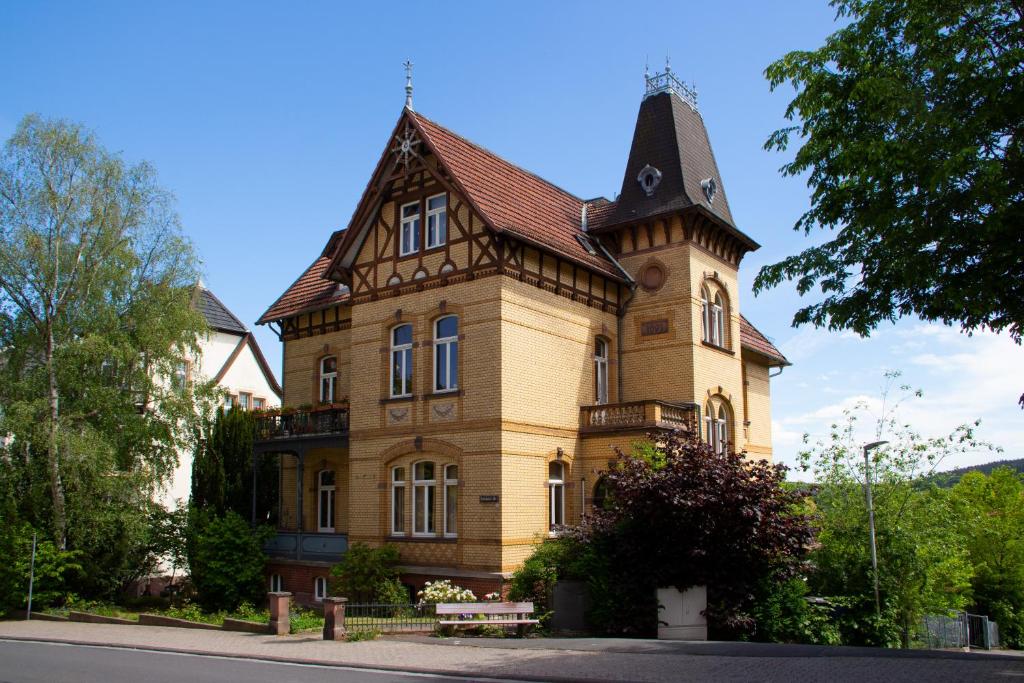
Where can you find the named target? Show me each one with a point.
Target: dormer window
(437, 221)
(649, 178)
(410, 229)
(710, 188)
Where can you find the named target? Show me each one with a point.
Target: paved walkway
(589, 659)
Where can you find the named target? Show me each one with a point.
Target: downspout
(620, 317)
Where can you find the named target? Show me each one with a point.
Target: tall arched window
(446, 354)
(451, 500)
(328, 379)
(705, 315)
(600, 494)
(718, 321)
(398, 500)
(601, 370)
(401, 361)
(556, 495)
(325, 501)
(716, 426)
(423, 490)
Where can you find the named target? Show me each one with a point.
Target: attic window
(649, 178)
(710, 189)
(586, 244)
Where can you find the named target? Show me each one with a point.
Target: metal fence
(962, 630)
(408, 618)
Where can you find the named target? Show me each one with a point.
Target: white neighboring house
(231, 358)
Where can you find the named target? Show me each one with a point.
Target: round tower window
(652, 277)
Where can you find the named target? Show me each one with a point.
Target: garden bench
(518, 614)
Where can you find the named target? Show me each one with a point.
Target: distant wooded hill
(950, 478)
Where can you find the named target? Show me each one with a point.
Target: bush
(553, 559)
(369, 575)
(782, 614)
(435, 592)
(53, 568)
(227, 561)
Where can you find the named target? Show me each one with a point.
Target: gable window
(328, 379)
(325, 501)
(401, 361)
(276, 584)
(398, 500)
(409, 234)
(446, 354)
(259, 404)
(244, 400)
(451, 499)
(437, 221)
(179, 380)
(601, 370)
(556, 495)
(319, 588)
(423, 488)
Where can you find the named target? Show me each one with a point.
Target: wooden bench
(518, 614)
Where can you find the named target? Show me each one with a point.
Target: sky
(266, 119)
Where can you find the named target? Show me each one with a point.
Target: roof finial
(408, 84)
(647, 68)
(666, 81)
(668, 66)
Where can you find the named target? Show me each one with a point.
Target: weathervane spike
(408, 84)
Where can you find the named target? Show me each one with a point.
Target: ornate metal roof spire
(667, 81)
(408, 84)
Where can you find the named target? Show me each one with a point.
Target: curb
(468, 675)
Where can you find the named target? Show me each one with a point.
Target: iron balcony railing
(288, 423)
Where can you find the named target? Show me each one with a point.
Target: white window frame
(449, 346)
(424, 492)
(397, 492)
(411, 225)
(451, 493)
(406, 354)
(718, 321)
(601, 370)
(705, 315)
(721, 430)
(245, 400)
(556, 497)
(319, 588)
(179, 379)
(434, 240)
(331, 378)
(276, 583)
(331, 491)
(262, 405)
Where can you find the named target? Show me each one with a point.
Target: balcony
(638, 416)
(315, 547)
(289, 424)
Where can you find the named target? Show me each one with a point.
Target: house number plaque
(488, 499)
(649, 327)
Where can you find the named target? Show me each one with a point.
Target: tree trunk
(53, 462)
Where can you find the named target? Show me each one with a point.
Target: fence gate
(959, 631)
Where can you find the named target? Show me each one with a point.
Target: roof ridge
(500, 158)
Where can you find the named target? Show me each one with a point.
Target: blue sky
(266, 119)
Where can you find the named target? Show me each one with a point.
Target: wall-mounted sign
(488, 499)
(649, 327)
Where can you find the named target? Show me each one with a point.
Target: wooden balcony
(638, 416)
(327, 423)
(296, 545)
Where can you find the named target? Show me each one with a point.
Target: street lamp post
(871, 522)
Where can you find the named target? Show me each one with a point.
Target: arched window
(705, 315)
(401, 361)
(556, 495)
(600, 494)
(325, 501)
(718, 321)
(446, 354)
(716, 426)
(328, 379)
(398, 500)
(276, 584)
(451, 500)
(319, 588)
(601, 370)
(423, 490)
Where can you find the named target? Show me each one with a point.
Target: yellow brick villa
(461, 360)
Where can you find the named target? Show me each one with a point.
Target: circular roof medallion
(652, 276)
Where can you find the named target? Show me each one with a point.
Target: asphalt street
(22, 662)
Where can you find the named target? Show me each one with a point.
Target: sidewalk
(588, 659)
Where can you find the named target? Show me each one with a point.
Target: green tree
(989, 514)
(227, 563)
(923, 564)
(95, 313)
(910, 140)
(368, 574)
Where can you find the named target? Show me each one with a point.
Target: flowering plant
(435, 592)
(492, 597)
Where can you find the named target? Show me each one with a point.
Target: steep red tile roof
(752, 339)
(514, 200)
(310, 292)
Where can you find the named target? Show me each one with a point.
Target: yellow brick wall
(759, 441)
